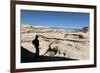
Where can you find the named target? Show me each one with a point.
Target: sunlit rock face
(69, 43)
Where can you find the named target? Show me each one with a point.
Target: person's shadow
(35, 42)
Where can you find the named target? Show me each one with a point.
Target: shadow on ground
(27, 56)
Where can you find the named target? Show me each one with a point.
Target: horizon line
(55, 26)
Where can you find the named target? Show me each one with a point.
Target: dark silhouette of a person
(36, 45)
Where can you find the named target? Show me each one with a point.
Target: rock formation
(69, 43)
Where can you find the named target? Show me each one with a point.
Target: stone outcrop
(67, 43)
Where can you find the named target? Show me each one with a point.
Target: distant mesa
(85, 29)
(33, 25)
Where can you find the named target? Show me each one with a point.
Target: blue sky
(55, 19)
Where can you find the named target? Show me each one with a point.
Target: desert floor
(66, 44)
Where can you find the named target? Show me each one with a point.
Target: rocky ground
(68, 43)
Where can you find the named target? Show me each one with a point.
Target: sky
(55, 19)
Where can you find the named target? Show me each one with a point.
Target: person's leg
(37, 51)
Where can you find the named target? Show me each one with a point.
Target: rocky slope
(69, 43)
